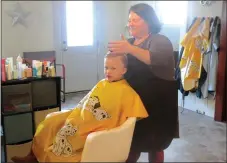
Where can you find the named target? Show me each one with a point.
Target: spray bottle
(19, 66)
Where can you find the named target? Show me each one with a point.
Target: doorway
(76, 39)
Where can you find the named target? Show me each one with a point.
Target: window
(172, 12)
(79, 23)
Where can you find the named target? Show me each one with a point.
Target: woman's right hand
(121, 47)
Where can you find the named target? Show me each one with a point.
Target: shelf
(45, 107)
(17, 128)
(44, 93)
(18, 150)
(19, 143)
(16, 98)
(26, 80)
(7, 109)
(16, 113)
(26, 103)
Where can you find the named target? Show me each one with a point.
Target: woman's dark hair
(147, 13)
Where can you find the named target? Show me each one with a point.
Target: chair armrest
(117, 130)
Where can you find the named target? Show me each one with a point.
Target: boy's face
(114, 68)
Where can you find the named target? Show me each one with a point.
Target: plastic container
(19, 61)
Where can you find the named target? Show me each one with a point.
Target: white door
(79, 44)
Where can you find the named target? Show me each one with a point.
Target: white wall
(37, 36)
(192, 102)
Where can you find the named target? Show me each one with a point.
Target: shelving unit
(25, 103)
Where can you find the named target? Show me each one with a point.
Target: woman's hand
(124, 47)
(120, 47)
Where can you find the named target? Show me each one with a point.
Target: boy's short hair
(124, 58)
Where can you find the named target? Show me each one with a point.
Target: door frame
(59, 10)
(221, 73)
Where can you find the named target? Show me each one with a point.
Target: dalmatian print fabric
(61, 145)
(93, 105)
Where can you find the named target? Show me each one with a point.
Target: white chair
(109, 145)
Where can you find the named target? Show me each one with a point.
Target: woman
(151, 74)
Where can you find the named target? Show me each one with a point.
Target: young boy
(61, 138)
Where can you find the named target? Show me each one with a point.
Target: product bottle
(19, 64)
(19, 59)
(3, 70)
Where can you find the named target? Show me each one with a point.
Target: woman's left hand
(120, 47)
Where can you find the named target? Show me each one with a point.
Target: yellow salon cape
(195, 44)
(61, 138)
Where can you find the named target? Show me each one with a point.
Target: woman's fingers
(117, 53)
(114, 46)
(123, 37)
(116, 42)
(117, 47)
(114, 49)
